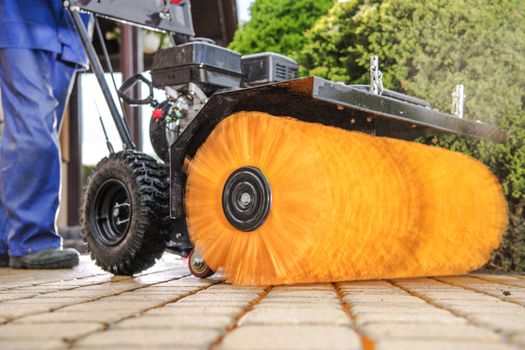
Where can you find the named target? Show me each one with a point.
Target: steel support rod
(131, 63)
(121, 125)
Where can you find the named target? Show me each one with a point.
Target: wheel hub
(112, 211)
(246, 198)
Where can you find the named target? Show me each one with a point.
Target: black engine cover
(201, 63)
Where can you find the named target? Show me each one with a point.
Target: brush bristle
(345, 205)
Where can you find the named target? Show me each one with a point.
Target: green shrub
(278, 26)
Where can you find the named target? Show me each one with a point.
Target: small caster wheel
(198, 267)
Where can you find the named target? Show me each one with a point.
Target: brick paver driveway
(166, 308)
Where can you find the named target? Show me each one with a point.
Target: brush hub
(246, 198)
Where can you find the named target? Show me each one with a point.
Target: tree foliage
(425, 49)
(279, 26)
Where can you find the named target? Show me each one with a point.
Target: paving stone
(198, 310)
(482, 309)
(65, 299)
(167, 289)
(178, 321)
(364, 288)
(330, 294)
(507, 323)
(47, 331)
(409, 318)
(227, 288)
(382, 291)
(366, 284)
(154, 294)
(283, 304)
(263, 337)
(469, 302)
(188, 282)
(220, 297)
(91, 294)
(519, 339)
(5, 296)
(302, 300)
(44, 288)
(158, 300)
(395, 344)
(138, 347)
(496, 277)
(520, 301)
(199, 303)
(287, 316)
(74, 317)
(14, 311)
(313, 286)
(129, 338)
(378, 299)
(32, 345)
(458, 296)
(49, 302)
(111, 306)
(387, 309)
(428, 331)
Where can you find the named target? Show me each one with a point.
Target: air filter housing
(267, 67)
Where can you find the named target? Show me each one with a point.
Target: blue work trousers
(35, 86)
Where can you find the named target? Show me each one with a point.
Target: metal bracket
(376, 77)
(458, 101)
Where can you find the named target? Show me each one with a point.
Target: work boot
(46, 259)
(4, 260)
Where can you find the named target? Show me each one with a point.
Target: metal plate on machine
(170, 15)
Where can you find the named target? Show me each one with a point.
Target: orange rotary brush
(273, 200)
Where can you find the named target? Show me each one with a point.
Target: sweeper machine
(275, 179)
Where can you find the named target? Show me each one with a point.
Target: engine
(190, 73)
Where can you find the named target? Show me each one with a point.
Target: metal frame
(325, 102)
(156, 15)
(96, 66)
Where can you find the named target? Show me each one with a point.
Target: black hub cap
(112, 212)
(246, 198)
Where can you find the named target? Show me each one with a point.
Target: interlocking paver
(71, 317)
(47, 331)
(32, 344)
(197, 310)
(397, 344)
(187, 320)
(265, 337)
(166, 308)
(436, 331)
(290, 316)
(173, 338)
(403, 318)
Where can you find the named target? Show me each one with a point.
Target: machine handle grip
(130, 82)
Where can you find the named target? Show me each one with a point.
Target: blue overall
(39, 53)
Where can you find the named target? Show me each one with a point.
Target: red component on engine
(157, 114)
(177, 2)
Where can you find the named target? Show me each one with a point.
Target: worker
(39, 54)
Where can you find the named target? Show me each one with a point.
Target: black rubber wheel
(197, 265)
(159, 140)
(125, 212)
